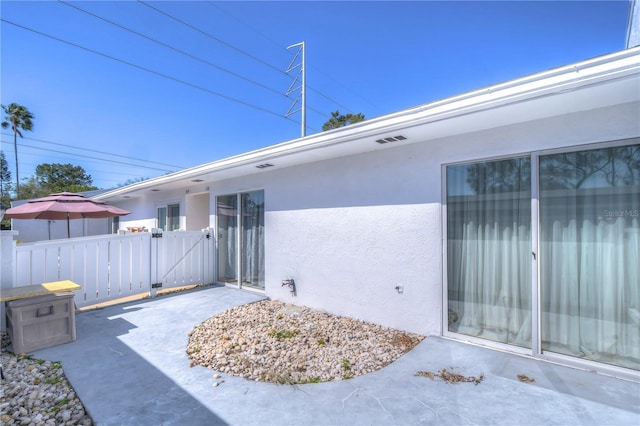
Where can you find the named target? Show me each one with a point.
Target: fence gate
(112, 267)
(181, 258)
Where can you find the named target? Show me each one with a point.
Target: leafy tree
(494, 177)
(341, 120)
(54, 177)
(5, 188)
(18, 117)
(5, 179)
(617, 166)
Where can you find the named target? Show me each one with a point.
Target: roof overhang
(600, 82)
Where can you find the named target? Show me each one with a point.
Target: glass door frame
(237, 283)
(534, 271)
(536, 350)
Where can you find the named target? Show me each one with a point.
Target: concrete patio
(129, 366)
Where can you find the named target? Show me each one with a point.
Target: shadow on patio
(129, 366)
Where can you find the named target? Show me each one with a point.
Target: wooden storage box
(40, 322)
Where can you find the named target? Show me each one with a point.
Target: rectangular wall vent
(264, 166)
(391, 139)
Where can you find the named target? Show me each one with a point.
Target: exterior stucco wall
(196, 211)
(351, 229)
(144, 209)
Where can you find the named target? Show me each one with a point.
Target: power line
(175, 49)
(99, 152)
(212, 37)
(322, 114)
(140, 67)
(93, 172)
(308, 86)
(92, 158)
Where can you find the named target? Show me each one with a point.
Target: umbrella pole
(68, 229)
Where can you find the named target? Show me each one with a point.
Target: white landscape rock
(279, 343)
(36, 392)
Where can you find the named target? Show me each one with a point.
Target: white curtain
(590, 256)
(494, 285)
(227, 238)
(253, 239)
(590, 276)
(589, 252)
(250, 216)
(489, 250)
(253, 257)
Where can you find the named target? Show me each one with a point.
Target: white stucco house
(507, 217)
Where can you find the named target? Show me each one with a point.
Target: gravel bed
(265, 341)
(275, 342)
(36, 392)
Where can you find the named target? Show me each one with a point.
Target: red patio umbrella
(64, 205)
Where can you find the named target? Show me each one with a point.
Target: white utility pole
(302, 87)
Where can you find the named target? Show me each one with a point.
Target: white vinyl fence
(115, 266)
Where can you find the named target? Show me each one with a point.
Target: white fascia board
(559, 80)
(555, 81)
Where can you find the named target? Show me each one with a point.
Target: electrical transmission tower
(298, 61)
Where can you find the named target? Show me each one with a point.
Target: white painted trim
(588, 73)
(536, 349)
(444, 327)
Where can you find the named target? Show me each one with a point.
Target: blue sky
(206, 80)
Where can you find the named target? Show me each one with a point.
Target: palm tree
(18, 117)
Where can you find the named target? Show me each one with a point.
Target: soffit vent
(391, 139)
(264, 166)
(197, 180)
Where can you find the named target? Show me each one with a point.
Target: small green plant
(56, 365)
(39, 361)
(347, 377)
(321, 341)
(284, 334)
(346, 364)
(54, 381)
(59, 405)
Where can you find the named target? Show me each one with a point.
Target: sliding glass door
(240, 251)
(590, 254)
(252, 246)
(585, 292)
(489, 250)
(227, 222)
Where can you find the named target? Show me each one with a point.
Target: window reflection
(589, 254)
